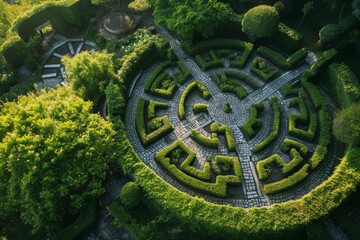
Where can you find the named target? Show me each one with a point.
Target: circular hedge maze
(232, 123)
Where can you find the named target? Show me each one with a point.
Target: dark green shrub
(328, 34)
(227, 108)
(186, 74)
(346, 125)
(260, 22)
(131, 195)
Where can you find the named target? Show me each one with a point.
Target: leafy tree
(308, 7)
(53, 157)
(356, 8)
(131, 195)
(189, 17)
(279, 6)
(260, 21)
(89, 74)
(328, 34)
(346, 125)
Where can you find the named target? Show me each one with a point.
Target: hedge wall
(188, 90)
(202, 140)
(254, 121)
(281, 61)
(275, 126)
(149, 138)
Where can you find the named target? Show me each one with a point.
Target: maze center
(238, 115)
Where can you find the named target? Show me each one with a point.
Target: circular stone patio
(251, 192)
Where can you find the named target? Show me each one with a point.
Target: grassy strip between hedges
(288, 182)
(254, 121)
(275, 126)
(218, 188)
(147, 139)
(282, 62)
(188, 90)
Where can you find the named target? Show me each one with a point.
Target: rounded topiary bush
(260, 21)
(346, 125)
(328, 34)
(131, 195)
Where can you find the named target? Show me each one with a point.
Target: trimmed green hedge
(345, 84)
(166, 92)
(275, 126)
(154, 75)
(153, 106)
(218, 188)
(230, 85)
(217, 44)
(187, 167)
(263, 70)
(296, 159)
(207, 142)
(229, 137)
(288, 182)
(288, 144)
(280, 61)
(243, 77)
(188, 90)
(200, 107)
(206, 65)
(263, 166)
(235, 163)
(148, 138)
(254, 121)
(186, 74)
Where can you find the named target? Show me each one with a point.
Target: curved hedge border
(188, 90)
(218, 188)
(288, 182)
(221, 44)
(275, 126)
(147, 139)
(254, 121)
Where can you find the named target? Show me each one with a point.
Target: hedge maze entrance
(233, 123)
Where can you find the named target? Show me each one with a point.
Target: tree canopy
(89, 73)
(346, 125)
(189, 17)
(53, 157)
(260, 22)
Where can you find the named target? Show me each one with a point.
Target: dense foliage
(346, 125)
(53, 157)
(89, 73)
(260, 22)
(187, 18)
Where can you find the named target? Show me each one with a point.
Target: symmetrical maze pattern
(227, 123)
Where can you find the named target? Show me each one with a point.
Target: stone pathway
(251, 186)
